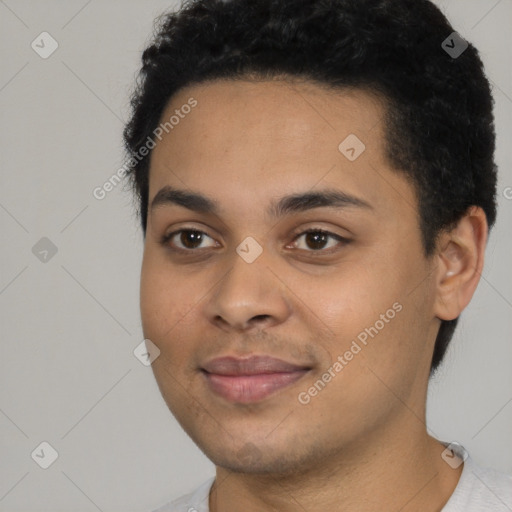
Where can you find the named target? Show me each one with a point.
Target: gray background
(69, 325)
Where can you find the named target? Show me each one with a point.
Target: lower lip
(250, 388)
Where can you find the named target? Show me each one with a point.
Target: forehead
(245, 140)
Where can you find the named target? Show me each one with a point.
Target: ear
(460, 260)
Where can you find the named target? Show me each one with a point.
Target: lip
(250, 379)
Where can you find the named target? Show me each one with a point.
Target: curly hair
(439, 125)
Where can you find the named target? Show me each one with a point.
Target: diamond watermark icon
(249, 249)
(249, 453)
(351, 147)
(44, 45)
(146, 352)
(454, 45)
(44, 455)
(44, 250)
(451, 455)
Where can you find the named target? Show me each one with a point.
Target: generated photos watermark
(357, 345)
(180, 113)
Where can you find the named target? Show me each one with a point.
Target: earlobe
(460, 259)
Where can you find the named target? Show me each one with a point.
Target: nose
(249, 296)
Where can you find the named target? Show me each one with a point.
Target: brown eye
(317, 240)
(191, 239)
(187, 240)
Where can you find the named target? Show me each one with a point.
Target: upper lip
(253, 365)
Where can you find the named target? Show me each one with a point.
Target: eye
(187, 240)
(311, 240)
(314, 240)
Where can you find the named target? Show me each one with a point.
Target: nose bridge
(248, 294)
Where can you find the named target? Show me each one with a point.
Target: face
(284, 279)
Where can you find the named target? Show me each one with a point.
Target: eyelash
(343, 241)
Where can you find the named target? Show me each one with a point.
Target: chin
(260, 459)
(264, 466)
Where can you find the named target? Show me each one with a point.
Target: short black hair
(439, 122)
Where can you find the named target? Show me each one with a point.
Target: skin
(361, 443)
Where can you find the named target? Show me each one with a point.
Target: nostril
(259, 318)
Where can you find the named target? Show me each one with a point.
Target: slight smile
(252, 379)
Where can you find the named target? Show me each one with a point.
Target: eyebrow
(286, 205)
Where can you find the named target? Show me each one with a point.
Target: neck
(381, 472)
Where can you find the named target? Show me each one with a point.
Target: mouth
(252, 379)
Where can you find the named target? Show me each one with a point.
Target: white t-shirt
(479, 490)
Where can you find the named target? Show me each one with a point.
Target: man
(316, 182)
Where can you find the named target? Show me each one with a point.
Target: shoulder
(196, 501)
(492, 490)
(480, 489)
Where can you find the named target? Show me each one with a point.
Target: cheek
(164, 322)
(370, 303)
(165, 298)
(389, 321)
(349, 300)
